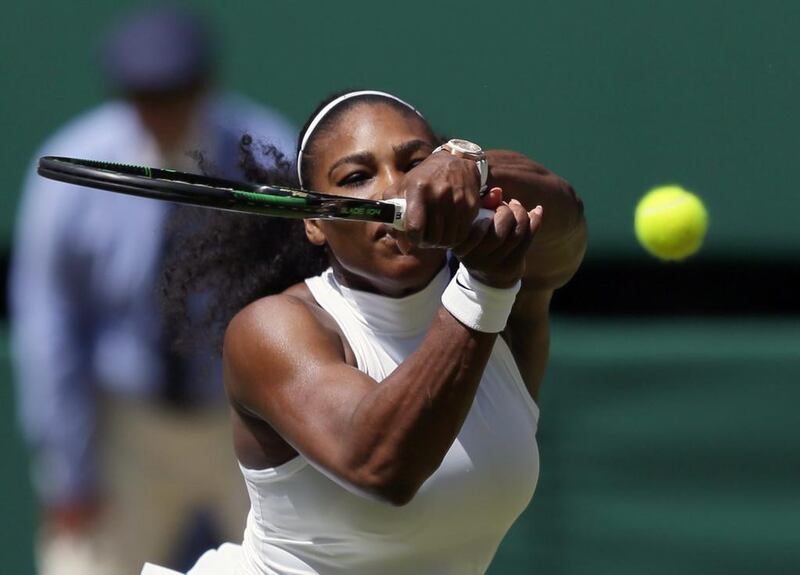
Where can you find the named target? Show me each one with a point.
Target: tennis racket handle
(400, 213)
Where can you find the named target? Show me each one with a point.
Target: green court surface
(667, 446)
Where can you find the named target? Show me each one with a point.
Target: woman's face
(364, 154)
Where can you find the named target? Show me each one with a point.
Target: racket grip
(400, 213)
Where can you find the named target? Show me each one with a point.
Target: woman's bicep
(283, 366)
(560, 242)
(550, 264)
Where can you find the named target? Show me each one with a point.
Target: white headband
(330, 106)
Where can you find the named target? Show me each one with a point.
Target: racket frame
(218, 193)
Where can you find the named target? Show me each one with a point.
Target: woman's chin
(417, 264)
(391, 272)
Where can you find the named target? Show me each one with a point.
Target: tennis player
(384, 409)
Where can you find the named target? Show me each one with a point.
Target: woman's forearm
(403, 429)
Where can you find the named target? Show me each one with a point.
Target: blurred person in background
(121, 428)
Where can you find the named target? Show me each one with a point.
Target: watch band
(480, 162)
(483, 170)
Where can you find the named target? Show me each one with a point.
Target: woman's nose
(391, 184)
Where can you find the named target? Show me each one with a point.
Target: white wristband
(476, 305)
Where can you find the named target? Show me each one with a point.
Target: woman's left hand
(496, 250)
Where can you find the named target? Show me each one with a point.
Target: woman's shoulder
(278, 324)
(276, 314)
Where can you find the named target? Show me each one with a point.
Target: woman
(383, 411)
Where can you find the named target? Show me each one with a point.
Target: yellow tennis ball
(670, 222)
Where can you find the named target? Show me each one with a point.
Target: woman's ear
(314, 232)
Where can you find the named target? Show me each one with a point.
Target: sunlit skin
(289, 371)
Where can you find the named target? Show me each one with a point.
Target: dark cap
(158, 49)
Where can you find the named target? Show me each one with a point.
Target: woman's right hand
(495, 249)
(442, 199)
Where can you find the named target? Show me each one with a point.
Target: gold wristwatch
(469, 151)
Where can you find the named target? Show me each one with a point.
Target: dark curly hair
(219, 262)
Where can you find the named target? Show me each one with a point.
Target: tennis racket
(221, 194)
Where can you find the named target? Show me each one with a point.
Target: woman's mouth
(392, 238)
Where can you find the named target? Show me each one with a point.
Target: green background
(617, 96)
(668, 446)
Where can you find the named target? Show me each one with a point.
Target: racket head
(211, 192)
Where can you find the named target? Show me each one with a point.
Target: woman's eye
(353, 179)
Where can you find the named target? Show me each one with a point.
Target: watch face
(465, 146)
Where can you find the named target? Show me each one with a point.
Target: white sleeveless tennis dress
(302, 522)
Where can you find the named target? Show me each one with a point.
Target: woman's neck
(406, 316)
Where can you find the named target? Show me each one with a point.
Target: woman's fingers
(503, 231)
(465, 209)
(487, 235)
(536, 215)
(474, 237)
(535, 220)
(495, 251)
(519, 230)
(442, 200)
(416, 216)
(473, 231)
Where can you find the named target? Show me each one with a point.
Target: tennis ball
(670, 222)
